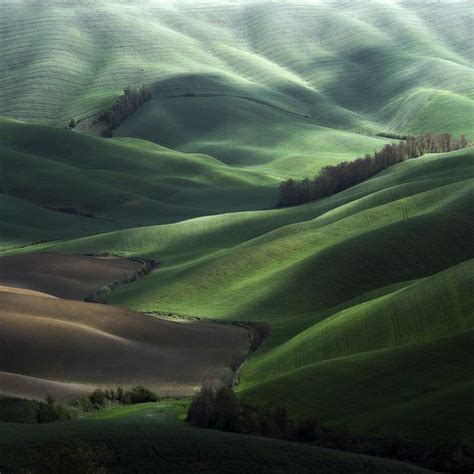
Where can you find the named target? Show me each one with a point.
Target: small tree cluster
(333, 179)
(217, 407)
(51, 411)
(18, 410)
(124, 106)
(101, 397)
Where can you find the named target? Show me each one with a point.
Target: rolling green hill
(368, 292)
(149, 437)
(272, 81)
(55, 183)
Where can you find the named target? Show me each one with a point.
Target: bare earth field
(66, 276)
(67, 348)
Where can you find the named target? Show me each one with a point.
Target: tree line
(19, 410)
(335, 178)
(217, 407)
(124, 106)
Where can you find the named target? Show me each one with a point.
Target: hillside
(218, 68)
(409, 229)
(238, 44)
(150, 436)
(55, 184)
(68, 348)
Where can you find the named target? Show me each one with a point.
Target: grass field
(281, 93)
(64, 60)
(144, 438)
(357, 287)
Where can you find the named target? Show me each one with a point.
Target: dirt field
(63, 275)
(62, 347)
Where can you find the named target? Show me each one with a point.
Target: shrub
(202, 408)
(73, 123)
(98, 397)
(227, 410)
(138, 395)
(51, 411)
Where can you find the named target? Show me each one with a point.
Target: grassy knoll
(144, 438)
(357, 288)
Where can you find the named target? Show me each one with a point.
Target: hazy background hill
(385, 66)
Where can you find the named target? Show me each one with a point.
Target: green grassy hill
(55, 183)
(270, 79)
(368, 292)
(150, 437)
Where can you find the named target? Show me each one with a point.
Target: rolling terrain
(147, 437)
(279, 87)
(56, 184)
(293, 54)
(67, 348)
(368, 292)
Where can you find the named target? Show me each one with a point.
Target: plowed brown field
(63, 275)
(66, 348)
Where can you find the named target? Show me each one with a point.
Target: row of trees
(333, 179)
(217, 407)
(124, 106)
(19, 410)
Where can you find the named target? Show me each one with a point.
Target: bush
(73, 123)
(202, 408)
(227, 410)
(98, 397)
(138, 395)
(51, 411)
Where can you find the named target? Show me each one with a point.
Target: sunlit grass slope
(55, 183)
(368, 292)
(269, 78)
(244, 133)
(150, 437)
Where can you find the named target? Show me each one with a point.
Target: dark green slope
(84, 185)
